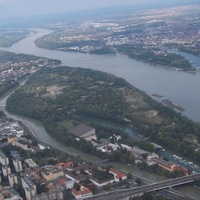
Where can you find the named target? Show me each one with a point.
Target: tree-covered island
(61, 97)
(149, 54)
(10, 36)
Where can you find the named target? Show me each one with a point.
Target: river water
(180, 87)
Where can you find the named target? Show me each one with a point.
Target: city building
(30, 163)
(3, 158)
(170, 166)
(8, 193)
(17, 143)
(6, 170)
(29, 187)
(51, 172)
(12, 178)
(17, 164)
(51, 195)
(83, 193)
(86, 132)
(118, 175)
(68, 165)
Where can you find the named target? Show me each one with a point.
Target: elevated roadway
(122, 194)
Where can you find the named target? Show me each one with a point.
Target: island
(83, 108)
(64, 97)
(10, 36)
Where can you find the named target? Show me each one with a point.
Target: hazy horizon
(15, 8)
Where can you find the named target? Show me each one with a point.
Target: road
(122, 194)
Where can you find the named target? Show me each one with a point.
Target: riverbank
(148, 78)
(179, 86)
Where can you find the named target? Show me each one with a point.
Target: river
(180, 87)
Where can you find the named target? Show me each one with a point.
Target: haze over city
(99, 99)
(11, 8)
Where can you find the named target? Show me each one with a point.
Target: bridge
(122, 194)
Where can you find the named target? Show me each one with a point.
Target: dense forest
(58, 95)
(156, 56)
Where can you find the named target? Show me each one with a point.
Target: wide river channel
(180, 87)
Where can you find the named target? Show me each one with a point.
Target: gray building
(29, 187)
(3, 158)
(83, 131)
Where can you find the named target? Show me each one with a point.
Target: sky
(12, 8)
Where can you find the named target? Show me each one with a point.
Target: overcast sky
(10, 8)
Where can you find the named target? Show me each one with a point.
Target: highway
(122, 194)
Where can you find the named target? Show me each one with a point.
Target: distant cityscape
(32, 169)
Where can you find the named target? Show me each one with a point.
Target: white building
(29, 187)
(69, 184)
(17, 164)
(19, 144)
(128, 148)
(6, 170)
(3, 158)
(30, 163)
(12, 178)
(114, 146)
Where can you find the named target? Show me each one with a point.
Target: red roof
(179, 168)
(163, 163)
(83, 190)
(117, 173)
(62, 180)
(65, 165)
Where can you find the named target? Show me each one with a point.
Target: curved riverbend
(180, 87)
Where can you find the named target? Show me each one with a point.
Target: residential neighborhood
(66, 178)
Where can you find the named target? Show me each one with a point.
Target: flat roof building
(3, 158)
(83, 131)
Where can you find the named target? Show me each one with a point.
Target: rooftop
(80, 130)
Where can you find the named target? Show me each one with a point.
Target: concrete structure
(51, 172)
(100, 183)
(3, 158)
(30, 163)
(86, 132)
(117, 174)
(128, 148)
(151, 156)
(114, 146)
(51, 195)
(17, 164)
(138, 151)
(6, 170)
(18, 131)
(12, 178)
(8, 193)
(68, 165)
(29, 187)
(83, 193)
(157, 147)
(69, 184)
(169, 166)
(18, 144)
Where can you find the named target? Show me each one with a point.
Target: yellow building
(51, 172)
(169, 166)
